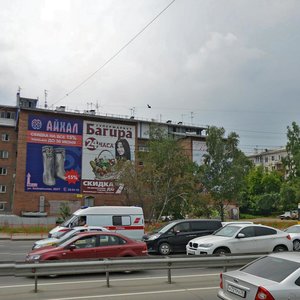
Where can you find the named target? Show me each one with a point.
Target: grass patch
(25, 229)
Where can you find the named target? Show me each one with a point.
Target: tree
(224, 168)
(162, 178)
(292, 161)
(262, 191)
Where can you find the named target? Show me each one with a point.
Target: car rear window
(272, 268)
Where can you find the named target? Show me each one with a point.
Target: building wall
(271, 160)
(22, 159)
(25, 201)
(9, 164)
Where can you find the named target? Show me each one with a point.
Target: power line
(116, 54)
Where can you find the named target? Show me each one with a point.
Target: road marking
(137, 294)
(111, 280)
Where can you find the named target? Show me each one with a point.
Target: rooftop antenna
(19, 89)
(192, 117)
(98, 106)
(89, 104)
(46, 94)
(132, 111)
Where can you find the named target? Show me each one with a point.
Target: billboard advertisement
(103, 145)
(199, 149)
(54, 150)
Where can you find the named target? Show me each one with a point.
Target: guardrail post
(169, 273)
(107, 278)
(107, 273)
(35, 282)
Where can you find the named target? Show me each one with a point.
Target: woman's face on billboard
(120, 148)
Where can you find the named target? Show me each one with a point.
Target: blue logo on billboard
(36, 124)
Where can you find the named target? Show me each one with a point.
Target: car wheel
(280, 248)
(296, 245)
(221, 250)
(164, 249)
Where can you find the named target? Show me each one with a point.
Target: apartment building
(54, 156)
(271, 160)
(8, 148)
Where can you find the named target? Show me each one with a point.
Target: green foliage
(224, 169)
(292, 161)
(163, 179)
(261, 194)
(64, 212)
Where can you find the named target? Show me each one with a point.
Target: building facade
(270, 160)
(50, 157)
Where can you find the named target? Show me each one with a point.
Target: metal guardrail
(121, 265)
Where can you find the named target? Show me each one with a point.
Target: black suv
(174, 236)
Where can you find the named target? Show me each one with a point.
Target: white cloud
(228, 62)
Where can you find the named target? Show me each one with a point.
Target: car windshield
(73, 220)
(293, 229)
(64, 242)
(228, 231)
(272, 268)
(60, 234)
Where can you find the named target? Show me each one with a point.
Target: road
(200, 284)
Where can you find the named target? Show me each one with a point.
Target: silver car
(63, 236)
(294, 232)
(272, 277)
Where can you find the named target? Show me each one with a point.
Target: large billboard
(103, 145)
(54, 149)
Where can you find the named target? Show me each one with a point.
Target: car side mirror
(72, 247)
(240, 235)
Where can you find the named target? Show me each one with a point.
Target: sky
(225, 63)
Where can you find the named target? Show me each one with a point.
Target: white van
(126, 220)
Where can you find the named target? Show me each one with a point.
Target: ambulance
(126, 220)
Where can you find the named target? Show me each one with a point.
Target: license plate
(236, 291)
(191, 252)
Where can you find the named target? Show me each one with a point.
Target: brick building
(49, 157)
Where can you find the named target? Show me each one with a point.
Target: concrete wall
(16, 221)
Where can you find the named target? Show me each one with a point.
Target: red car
(91, 245)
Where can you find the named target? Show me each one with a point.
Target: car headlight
(153, 237)
(205, 245)
(34, 257)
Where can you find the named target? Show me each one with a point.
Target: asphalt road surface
(200, 284)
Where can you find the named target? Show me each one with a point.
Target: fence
(121, 265)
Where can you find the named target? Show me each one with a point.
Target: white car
(272, 277)
(294, 232)
(64, 235)
(243, 238)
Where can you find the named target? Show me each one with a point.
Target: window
(3, 154)
(7, 115)
(264, 231)
(248, 231)
(5, 137)
(3, 171)
(205, 225)
(2, 188)
(2, 205)
(271, 268)
(121, 220)
(182, 227)
(86, 242)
